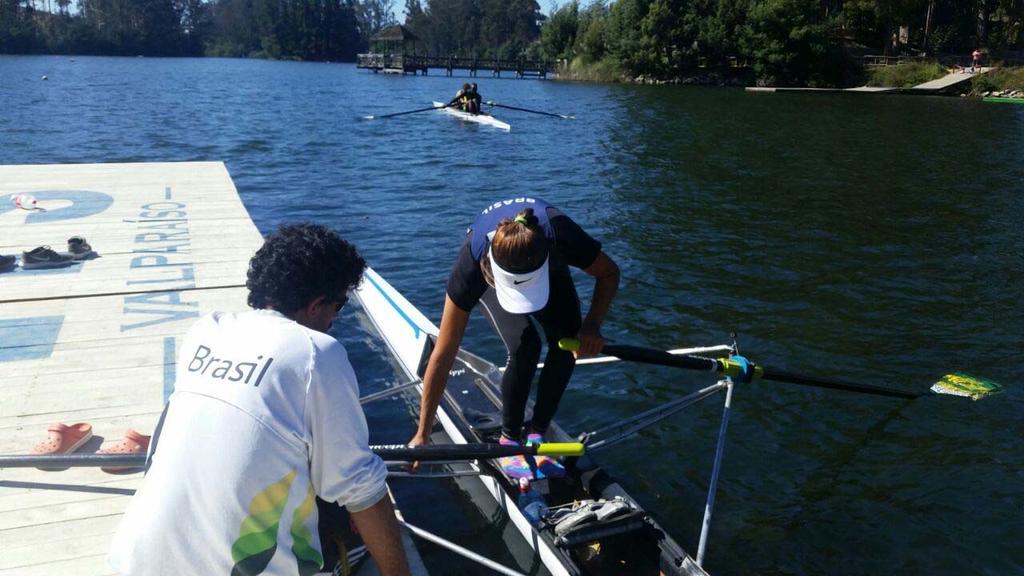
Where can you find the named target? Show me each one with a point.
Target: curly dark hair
(300, 262)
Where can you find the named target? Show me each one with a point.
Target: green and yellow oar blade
(960, 384)
(957, 384)
(560, 449)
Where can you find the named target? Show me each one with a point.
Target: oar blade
(960, 384)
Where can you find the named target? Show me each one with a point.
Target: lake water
(873, 238)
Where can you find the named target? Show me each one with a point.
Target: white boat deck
(95, 342)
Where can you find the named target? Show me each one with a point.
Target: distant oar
(371, 117)
(951, 384)
(563, 116)
(423, 453)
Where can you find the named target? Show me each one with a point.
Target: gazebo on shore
(392, 50)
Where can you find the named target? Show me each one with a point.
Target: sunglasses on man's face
(339, 303)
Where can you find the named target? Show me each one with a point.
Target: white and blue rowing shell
(632, 543)
(478, 118)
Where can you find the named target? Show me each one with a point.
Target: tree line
(812, 42)
(294, 29)
(779, 41)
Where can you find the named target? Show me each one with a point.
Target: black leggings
(559, 319)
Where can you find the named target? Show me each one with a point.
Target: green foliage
(905, 75)
(558, 36)
(999, 80)
(591, 35)
(786, 39)
(604, 70)
(806, 42)
(294, 29)
(482, 28)
(801, 42)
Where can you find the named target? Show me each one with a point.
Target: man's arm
(379, 530)
(453, 326)
(606, 273)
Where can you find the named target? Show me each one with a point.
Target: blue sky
(546, 6)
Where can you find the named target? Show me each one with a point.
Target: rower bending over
(515, 262)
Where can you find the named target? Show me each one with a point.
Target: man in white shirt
(265, 417)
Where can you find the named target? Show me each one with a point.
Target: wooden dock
(951, 79)
(413, 64)
(930, 87)
(96, 342)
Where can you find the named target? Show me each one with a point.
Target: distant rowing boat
(478, 118)
(1003, 99)
(624, 539)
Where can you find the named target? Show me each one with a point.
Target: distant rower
(467, 99)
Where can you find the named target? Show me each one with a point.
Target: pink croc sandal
(133, 443)
(64, 439)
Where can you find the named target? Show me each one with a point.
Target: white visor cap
(521, 293)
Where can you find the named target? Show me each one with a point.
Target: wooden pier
(413, 64)
(393, 50)
(96, 341)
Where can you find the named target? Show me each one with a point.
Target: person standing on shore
(264, 417)
(975, 60)
(515, 262)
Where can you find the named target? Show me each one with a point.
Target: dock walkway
(951, 79)
(96, 341)
(947, 81)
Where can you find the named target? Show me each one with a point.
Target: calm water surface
(874, 238)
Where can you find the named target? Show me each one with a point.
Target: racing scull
(619, 537)
(468, 117)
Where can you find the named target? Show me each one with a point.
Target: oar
(371, 117)
(563, 116)
(423, 453)
(950, 384)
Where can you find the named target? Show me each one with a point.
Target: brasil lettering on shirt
(203, 360)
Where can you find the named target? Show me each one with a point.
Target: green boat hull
(1003, 100)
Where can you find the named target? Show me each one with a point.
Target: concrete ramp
(951, 79)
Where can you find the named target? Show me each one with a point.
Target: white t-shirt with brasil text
(265, 414)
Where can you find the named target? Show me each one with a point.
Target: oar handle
(423, 453)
